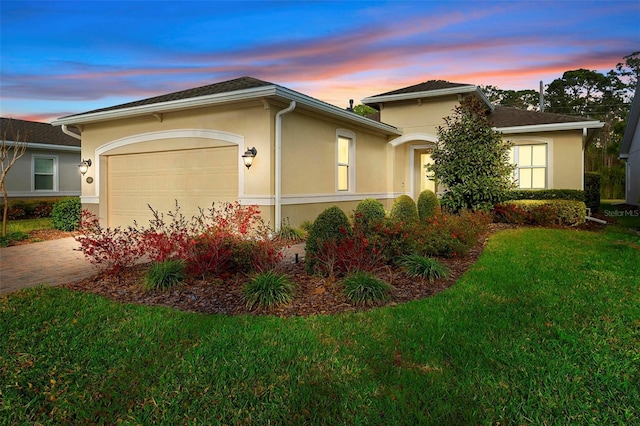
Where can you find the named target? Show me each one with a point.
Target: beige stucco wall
(419, 117)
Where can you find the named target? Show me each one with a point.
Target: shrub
(510, 213)
(291, 234)
(28, 208)
(545, 212)
(331, 226)
(546, 194)
(592, 191)
(404, 209)
(362, 288)
(267, 290)
(425, 267)
(66, 214)
(13, 236)
(164, 275)
(368, 213)
(452, 235)
(427, 204)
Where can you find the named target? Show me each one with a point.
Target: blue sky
(64, 57)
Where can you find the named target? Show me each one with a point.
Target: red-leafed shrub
(452, 235)
(510, 213)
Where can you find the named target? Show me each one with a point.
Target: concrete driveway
(50, 263)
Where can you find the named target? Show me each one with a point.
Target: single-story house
(49, 167)
(307, 154)
(630, 152)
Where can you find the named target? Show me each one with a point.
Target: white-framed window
(531, 166)
(45, 173)
(345, 163)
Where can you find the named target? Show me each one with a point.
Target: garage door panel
(196, 178)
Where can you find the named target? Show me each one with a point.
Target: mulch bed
(314, 295)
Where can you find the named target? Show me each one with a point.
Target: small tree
(471, 160)
(9, 154)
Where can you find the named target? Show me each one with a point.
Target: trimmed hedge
(542, 212)
(330, 225)
(66, 214)
(592, 191)
(29, 208)
(404, 209)
(546, 194)
(427, 204)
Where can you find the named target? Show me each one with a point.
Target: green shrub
(164, 275)
(13, 236)
(546, 194)
(451, 235)
(66, 214)
(592, 191)
(404, 209)
(427, 204)
(267, 290)
(363, 288)
(29, 208)
(425, 267)
(331, 226)
(553, 212)
(368, 213)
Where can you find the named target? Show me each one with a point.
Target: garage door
(196, 178)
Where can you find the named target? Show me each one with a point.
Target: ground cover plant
(510, 343)
(24, 231)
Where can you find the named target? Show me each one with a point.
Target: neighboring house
(630, 152)
(49, 167)
(189, 145)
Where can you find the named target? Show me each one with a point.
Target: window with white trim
(344, 162)
(45, 176)
(531, 166)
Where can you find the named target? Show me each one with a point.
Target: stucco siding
(20, 179)
(423, 117)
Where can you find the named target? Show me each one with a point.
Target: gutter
(278, 162)
(70, 133)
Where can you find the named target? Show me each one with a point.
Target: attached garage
(194, 177)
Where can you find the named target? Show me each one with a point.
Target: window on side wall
(344, 162)
(45, 173)
(531, 166)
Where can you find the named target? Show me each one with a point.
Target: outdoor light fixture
(248, 156)
(84, 166)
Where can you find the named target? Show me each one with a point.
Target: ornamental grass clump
(267, 290)
(164, 275)
(423, 266)
(363, 288)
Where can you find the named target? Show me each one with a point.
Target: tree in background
(471, 160)
(364, 110)
(13, 147)
(522, 99)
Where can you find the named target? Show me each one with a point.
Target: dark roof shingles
(34, 132)
(510, 117)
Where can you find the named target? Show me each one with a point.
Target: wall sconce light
(84, 166)
(248, 156)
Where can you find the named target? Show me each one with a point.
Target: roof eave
(220, 98)
(576, 125)
(430, 94)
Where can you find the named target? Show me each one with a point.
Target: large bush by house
(546, 194)
(592, 191)
(368, 213)
(65, 214)
(541, 212)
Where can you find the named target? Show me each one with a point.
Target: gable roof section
(514, 120)
(34, 132)
(428, 89)
(632, 124)
(240, 89)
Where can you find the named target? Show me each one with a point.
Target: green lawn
(544, 329)
(28, 225)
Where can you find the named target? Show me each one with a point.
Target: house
(49, 167)
(630, 152)
(307, 155)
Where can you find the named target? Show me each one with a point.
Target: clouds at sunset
(70, 57)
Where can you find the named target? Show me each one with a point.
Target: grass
(28, 225)
(543, 329)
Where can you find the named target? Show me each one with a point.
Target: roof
(427, 89)
(632, 124)
(239, 89)
(510, 117)
(35, 132)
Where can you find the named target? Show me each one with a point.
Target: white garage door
(196, 178)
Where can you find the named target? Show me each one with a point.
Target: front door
(423, 178)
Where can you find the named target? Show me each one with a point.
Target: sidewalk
(51, 263)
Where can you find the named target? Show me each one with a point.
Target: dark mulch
(314, 295)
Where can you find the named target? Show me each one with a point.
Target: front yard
(543, 329)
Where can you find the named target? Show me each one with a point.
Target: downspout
(278, 162)
(70, 133)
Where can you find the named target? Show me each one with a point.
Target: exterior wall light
(84, 166)
(248, 156)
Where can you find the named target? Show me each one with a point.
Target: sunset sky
(64, 57)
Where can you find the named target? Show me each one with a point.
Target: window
(531, 166)
(44, 173)
(345, 166)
